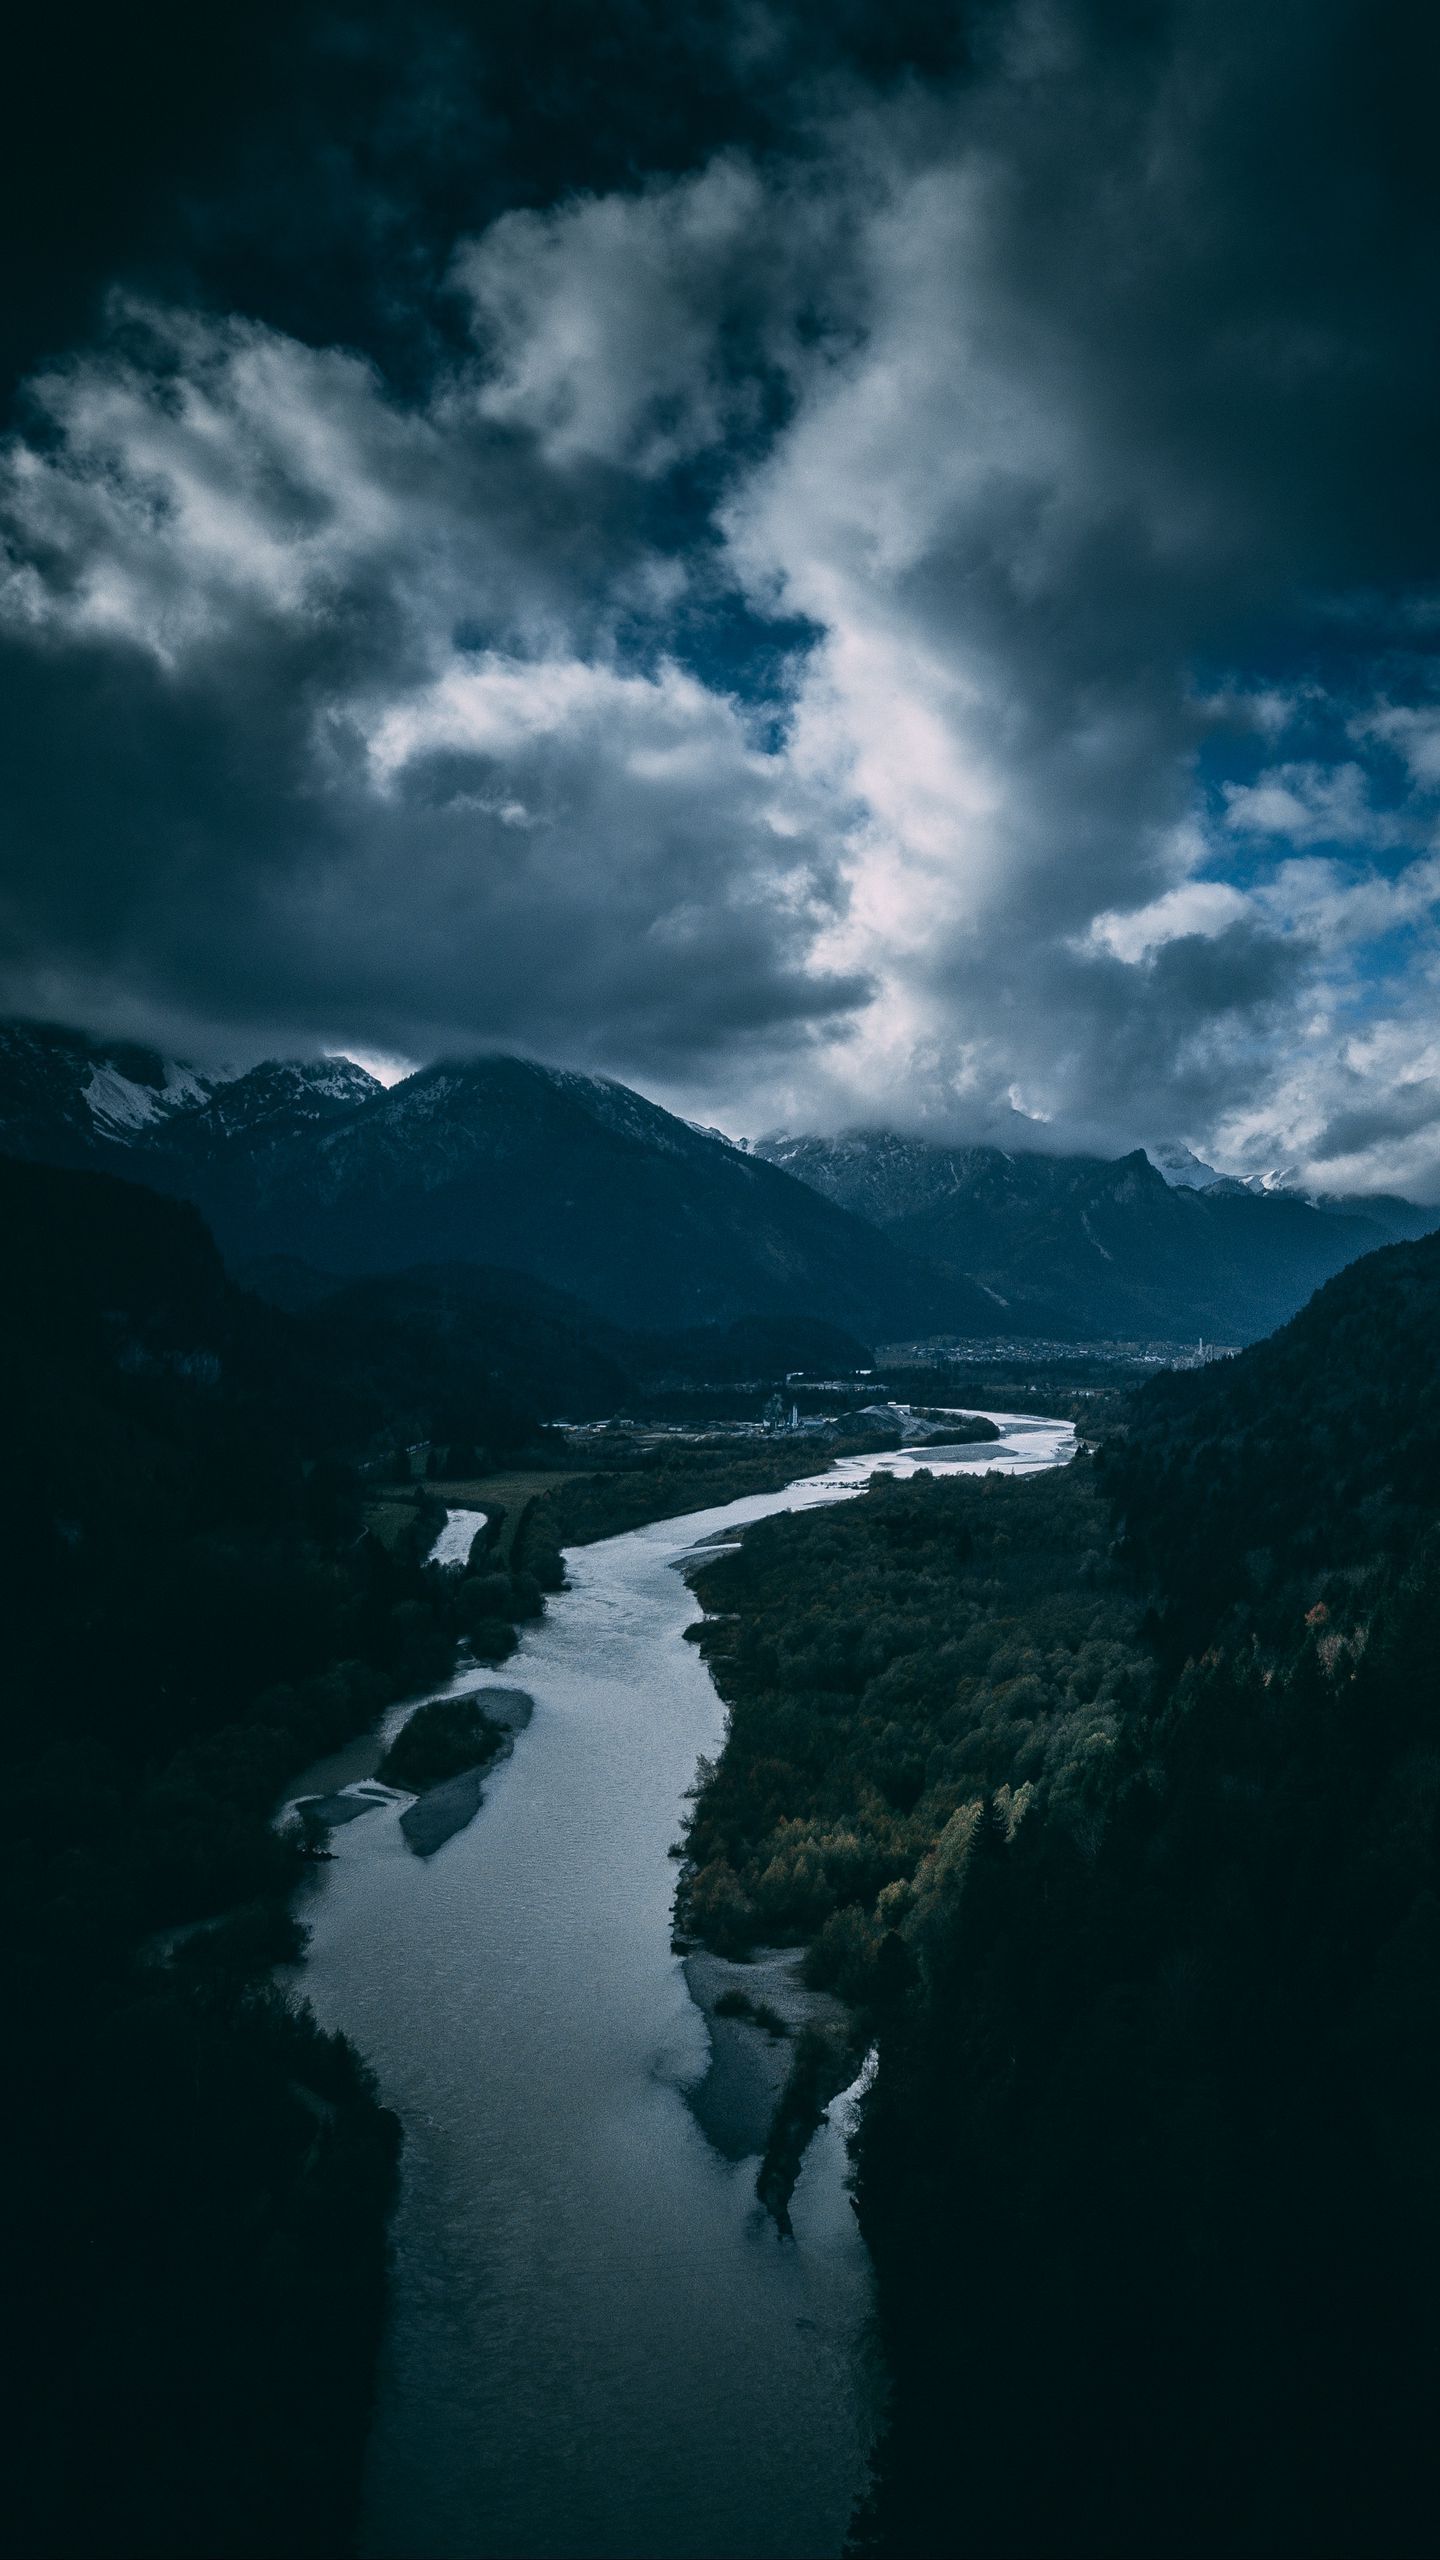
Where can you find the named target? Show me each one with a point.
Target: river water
(598, 2343)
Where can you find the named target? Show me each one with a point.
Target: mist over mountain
(588, 1188)
(573, 1180)
(68, 1099)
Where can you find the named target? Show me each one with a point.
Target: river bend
(598, 2348)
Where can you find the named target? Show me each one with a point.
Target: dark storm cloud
(854, 576)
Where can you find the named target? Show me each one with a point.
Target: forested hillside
(198, 2178)
(1111, 1799)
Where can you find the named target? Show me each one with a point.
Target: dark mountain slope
(1397, 1221)
(141, 1384)
(470, 1326)
(1187, 2050)
(573, 1180)
(583, 1185)
(1076, 1246)
(279, 1099)
(1128, 1847)
(1317, 1451)
(66, 1099)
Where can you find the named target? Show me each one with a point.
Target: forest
(199, 2178)
(1110, 1799)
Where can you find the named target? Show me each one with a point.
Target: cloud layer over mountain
(918, 603)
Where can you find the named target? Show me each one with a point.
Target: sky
(845, 564)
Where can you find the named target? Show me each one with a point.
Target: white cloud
(967, 860)
(199, 471)
(1204, 907)
(1414, 734)
(1313, 804)
(598, 319)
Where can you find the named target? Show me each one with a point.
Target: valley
(1024, 1751)
(720, 1280)
(577, 2258)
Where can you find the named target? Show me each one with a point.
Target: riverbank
(885, 1664)
(755, 2014)
(574, 1507)
(573, 2189)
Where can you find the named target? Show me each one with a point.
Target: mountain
(1317, 1452)
(1183, 1170)
(583, 1185)
(1395, 1221)
(477, 1329)
(573, 1180)
(194, 2217)
(1398, 1221)
(586, 1187)
(278, 1099)
(1146, 1940)
(65, 1099)
(1075, 1246)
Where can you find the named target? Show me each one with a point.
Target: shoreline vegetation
(885, 1663)
(1109, 1800)
(532, 1516)
(201, 2179)
(202, 1599)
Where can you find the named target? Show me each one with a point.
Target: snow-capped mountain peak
(1182, 1169)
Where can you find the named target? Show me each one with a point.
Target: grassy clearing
(389, 1519)
(482, 1493)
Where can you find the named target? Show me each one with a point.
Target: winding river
(598, 2343)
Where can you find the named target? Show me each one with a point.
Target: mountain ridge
(1109, 1248)
(656, 1223)
(497, 1161)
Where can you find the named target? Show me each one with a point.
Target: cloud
(1198, 907)
(1414, 735)
(312, 801)
(196, 474)
(878, 625)
(1312, 804)
(601, 322)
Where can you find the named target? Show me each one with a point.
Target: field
(393, 1509)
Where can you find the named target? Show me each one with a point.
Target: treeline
(1315, 1455)
(889, 1662)
(198, 2178)
(1147, 2169)
(1086, 1391)
(662, 1484)
(508, 1335)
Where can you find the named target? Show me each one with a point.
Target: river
(599, 2347)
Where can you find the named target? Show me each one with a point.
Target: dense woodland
(1111, 1799)
(199, 2178)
